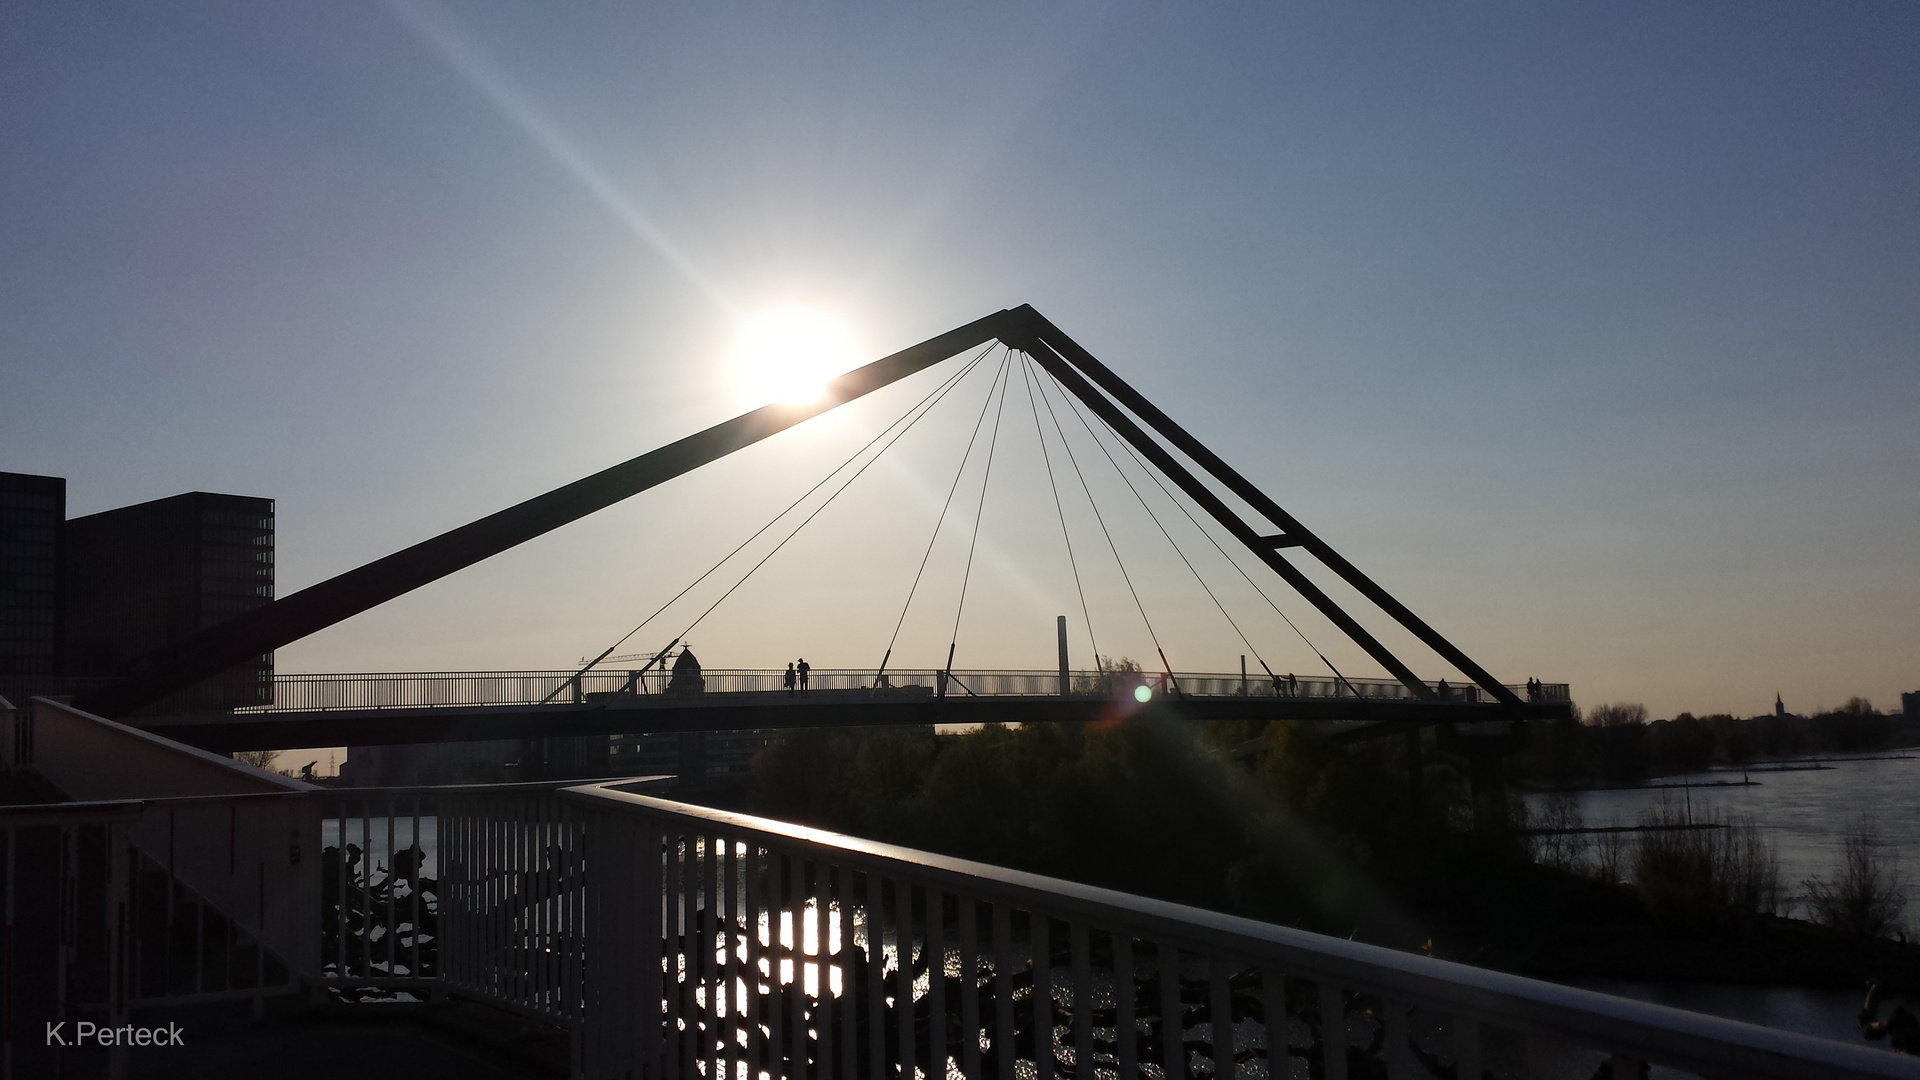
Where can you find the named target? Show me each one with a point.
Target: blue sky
(1591, 331)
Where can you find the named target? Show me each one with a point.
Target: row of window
(33, 534)
(241, 537)
(240, 518)
(27, 500)
(238, 556)
(218, 586)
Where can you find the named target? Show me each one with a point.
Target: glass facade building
(145, 576)
(33, 510)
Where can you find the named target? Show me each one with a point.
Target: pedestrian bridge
(661, 939)
(296, 693)
(420, 707)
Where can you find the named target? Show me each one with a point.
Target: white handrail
(1631, 1031)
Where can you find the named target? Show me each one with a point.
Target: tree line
(1617, 744)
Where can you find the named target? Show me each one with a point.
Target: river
(1804, 812)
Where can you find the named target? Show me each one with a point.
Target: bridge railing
(429, 689)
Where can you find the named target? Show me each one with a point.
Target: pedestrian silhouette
(1445, 690)
(803, 669)
(791, 678)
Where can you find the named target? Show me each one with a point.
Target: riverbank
(1712, 775)
(1803, 814)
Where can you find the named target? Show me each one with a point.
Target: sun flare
(788, 354)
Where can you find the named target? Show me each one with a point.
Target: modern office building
(33, 510)
(154, 573)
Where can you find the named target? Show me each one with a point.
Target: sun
(788, 354)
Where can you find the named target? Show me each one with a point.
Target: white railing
(719, 943)
(673, 940)
(105, 914)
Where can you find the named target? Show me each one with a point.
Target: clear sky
(1592, 331)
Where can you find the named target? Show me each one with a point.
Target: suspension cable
(941, 520)
(979, 512)
(1097, 516)
(1026, 371)
(1153, 474)
(933, 395)
(816, 512)
(1097, 441)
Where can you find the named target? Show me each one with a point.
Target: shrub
(1866, 894)
(1692, 874)
(1610, 855)
(1559, 850)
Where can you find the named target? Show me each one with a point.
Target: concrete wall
(92, 758)
(254, 856)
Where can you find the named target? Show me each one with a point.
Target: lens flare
(1142, 694)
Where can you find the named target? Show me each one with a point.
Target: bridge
(1058, 377)
(423, 707)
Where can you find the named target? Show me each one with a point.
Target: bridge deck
(614, 713)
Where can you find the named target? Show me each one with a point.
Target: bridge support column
(1415, 766)
(1066, 686)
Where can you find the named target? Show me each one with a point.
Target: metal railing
(107, 912)
(721, 943)
(461, 688)
(672, 940)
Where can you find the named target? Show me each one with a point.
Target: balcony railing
(672, 940)
(679, 941)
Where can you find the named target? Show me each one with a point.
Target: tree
(1867, 893)
(1618, 714)
(1857, 725)
(262, 759)
(1113, 677)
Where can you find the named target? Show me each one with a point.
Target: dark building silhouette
(33, 511)
(151, 574)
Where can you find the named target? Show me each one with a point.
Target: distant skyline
(1592, 333)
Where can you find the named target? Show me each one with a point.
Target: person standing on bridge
(803, 669)
(790, 679)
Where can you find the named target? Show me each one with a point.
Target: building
(152, 574)
(33, 511)
(696, 759)
(1910, 705)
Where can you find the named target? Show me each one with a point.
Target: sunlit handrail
(727, 894)
(673, 940)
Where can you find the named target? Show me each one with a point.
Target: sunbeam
(436, 30)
